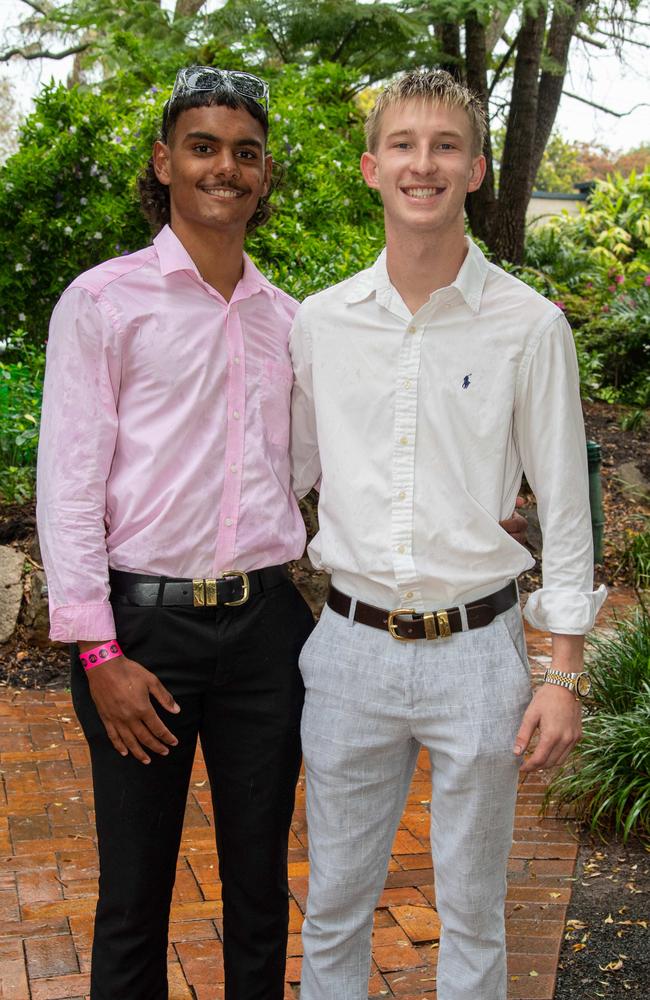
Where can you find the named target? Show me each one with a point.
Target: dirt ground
(606, 949)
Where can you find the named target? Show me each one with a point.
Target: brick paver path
(48, 874)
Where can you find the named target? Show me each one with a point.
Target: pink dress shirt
(165, 431)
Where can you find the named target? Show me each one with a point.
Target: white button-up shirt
(420, 426)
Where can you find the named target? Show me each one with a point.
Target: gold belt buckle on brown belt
(436, 624)
(204, 592)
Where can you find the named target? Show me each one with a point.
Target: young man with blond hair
(424, 386)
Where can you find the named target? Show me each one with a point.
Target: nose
(422, 160)
(226, 163)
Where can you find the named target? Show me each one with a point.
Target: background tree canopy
(513, 54)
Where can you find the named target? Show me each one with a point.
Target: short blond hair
(437, 86)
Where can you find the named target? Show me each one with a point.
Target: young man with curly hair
(424, 386)
(166, 521)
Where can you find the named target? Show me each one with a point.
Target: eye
(201, 147)
(447, 145)
(247, 154)
(402, 145)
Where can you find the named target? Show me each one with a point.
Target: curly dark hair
(154, 196)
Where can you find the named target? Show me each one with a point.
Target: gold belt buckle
(204, 592)
(436, 624)
(245, 584)
(392, 626)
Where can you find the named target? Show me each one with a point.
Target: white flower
(273, 236)
(68, 230)
(277, 117)
(103, 179)
(72, 129)
(97, 236)
(297, 148)
(78, 220)
(9, 186)
(337, 163)
(39, 124)
(19, 267)
(85, 119)
(22, 317)
(298, 206)
(346, 202)
(321, 127)
(94, 170)
(296, 193)
(83, 201)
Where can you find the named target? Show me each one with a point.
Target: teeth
(422, 192)
(223, 192)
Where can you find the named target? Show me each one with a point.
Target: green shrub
(596, 266)
(606, 780)
(637, 557)
(21, 384)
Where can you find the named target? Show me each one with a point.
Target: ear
(268, 172)
(369, 169)
(477, 173)
(160, 157)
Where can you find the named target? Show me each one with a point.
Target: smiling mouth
(220, 192)
(423, 192)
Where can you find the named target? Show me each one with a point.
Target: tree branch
(618, 38)
(591, 41)
(187, 8)
(502, 65)
(600, 107)
(32, 52)
(41, 8)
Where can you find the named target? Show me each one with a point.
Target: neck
(218, 255)
(419, 265)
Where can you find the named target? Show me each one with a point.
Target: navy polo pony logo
(466, 381)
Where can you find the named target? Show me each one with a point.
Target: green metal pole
(594, 457)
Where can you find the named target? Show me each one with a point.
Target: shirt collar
(470, 280)
(173, 256)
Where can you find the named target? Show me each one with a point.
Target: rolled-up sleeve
(305, 459)
(550, 436)
(76, 448)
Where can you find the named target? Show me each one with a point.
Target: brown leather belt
(430, 624)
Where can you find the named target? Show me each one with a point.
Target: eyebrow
(210, 137)
(447, 133)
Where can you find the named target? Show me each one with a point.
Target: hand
(121, 691)
(517, 526)
(558, 715)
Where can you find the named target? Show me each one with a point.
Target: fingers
(558, 717)
(162, 695)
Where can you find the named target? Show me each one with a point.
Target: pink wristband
(100, 654)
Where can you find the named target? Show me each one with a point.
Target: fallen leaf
(611, 966)
(608, 919)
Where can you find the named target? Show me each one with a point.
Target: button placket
(403, 464)
(235, 434)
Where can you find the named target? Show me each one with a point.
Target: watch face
(583, 685)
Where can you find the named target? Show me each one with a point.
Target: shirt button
(401, 549)
(409, 594)
(401, 495)
(228, 521)
(403, 440)
(233, 468)
(235, 414)
(236, 360)
(412, 328)
(407, 383)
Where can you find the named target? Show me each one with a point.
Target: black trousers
(234, 673)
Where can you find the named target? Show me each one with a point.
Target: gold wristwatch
(580, 684)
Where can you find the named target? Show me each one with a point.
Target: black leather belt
(429, 624)
(230, 589)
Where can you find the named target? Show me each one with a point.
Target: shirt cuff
(566, 612)
(88, 622)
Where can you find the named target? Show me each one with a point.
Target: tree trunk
(515, 181)
(564, 22)
(448, 36)
(187, 8)
(481, 205)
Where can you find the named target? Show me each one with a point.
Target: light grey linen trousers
(371, 702)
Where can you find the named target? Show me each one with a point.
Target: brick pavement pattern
(48, 874)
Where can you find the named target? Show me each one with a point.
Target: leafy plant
(606, 780)
(637, 557)
(21, 384)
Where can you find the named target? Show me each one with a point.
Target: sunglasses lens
(248, 85)
(203, 79)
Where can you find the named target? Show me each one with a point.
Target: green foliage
(562, 166)
(21, 384)
(637, 557)
(596, 266)
(606, 780)
(68, 201)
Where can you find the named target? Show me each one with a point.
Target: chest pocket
(275, 401)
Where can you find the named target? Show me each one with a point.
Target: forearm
(568, 652)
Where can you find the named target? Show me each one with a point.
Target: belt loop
(351, 612)
(161, 591)
(462, 611)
